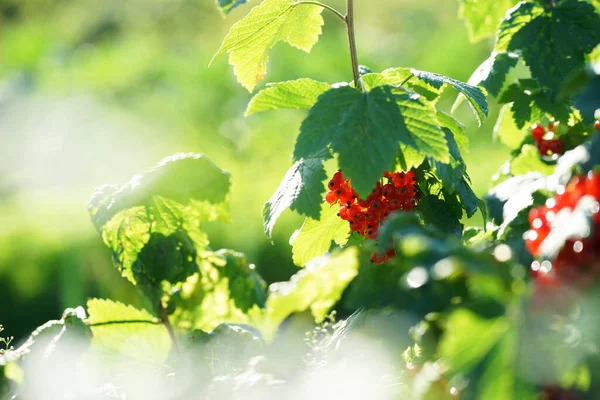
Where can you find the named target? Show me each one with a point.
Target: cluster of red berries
(577, 255)
(365, 216)
(547, 146)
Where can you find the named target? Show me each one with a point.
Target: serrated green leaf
(529, 161)
(301, 189)
(450, 173)
(122, 332)
(553, 43)
(365, 130)
(317, 287)
(515, 19)
(227, 289)
(189, 179)
(470, 201)
(491, 74)
(474, 95)
(409, 158)
(507, 131)
(458, 130)
(482, 17)
(298, 94)
(249, 40)
(402, 77)
(462, 352)
(314, 238)
(152, 223)
(227, 5)
(437, 214)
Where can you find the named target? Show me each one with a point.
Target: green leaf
(507, 131)
(189, 179)
(554, 43)
(301, 190)
(314, 238)
(317, 287)
(246, 287)
(124, 332)
(470, 201)
(491, 74)
(249, 40)
(458, 130)
(516, 18)
(402, 77)
(529, 161)
(475, 96)
(227, 5)
(152, 223)
(482, 17)
(227, 289)
(462, 352)
(298, 94)
(437, 214)
(365, 130)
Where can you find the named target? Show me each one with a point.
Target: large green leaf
(516, 18)
(152, 223)
(189, 179)
(366, 129)
(474, 95)
(553, 43)
(249, 40)
(462, 352)
(298, 94)
(227, 5)
(317, 287)
(314, 238)
(226, 289)
(122, 332)
(301, 190)
(482, 17)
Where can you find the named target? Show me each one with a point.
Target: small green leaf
(314, 238)
(462, 352)
(475, 96)
(249, 40)
(227, 5)
(491, 74)
(529, 161)
(298, 94)
(482, 17)
(507, 131)
(317, 287)
(124, 332)
(301, 190)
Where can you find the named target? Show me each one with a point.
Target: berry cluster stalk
(352, 41)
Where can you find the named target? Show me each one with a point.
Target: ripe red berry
(597, 125)
(537, 132)
(343, 213)
(399, 179)
(556, 146)
(331, 197)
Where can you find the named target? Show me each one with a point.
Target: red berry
(537, 132)
(411, 178)
(343, 213)
(556, 146)
(388, 189)
(597, 125)
(592, 184)
(543, 148)
(331, 197)
(347, 198)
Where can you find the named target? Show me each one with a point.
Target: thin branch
(164, 317)
(352, 43)
(325, 6)
(128, 321)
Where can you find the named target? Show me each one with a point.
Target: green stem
(164, 317)
(325, 6)
(129, 321)
(408, 78)
(352, 42)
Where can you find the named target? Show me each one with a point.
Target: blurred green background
(93, 91)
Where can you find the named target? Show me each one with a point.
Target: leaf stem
(128, 321)
(164, 317)
(352, 42)
(325, 6)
